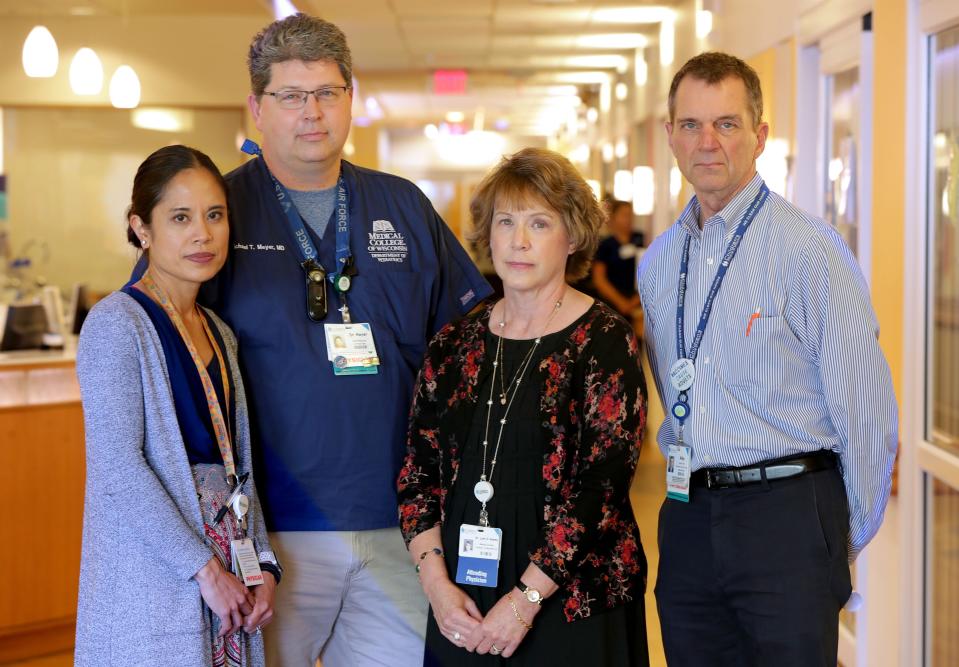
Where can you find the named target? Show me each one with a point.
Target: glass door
(939, 454)
(843, 138)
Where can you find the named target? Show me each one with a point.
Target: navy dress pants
(755, 575)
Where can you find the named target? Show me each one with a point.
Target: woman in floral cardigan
(524, 435)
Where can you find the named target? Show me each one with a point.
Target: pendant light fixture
(124, 88)
(86, 73)
(40, 54)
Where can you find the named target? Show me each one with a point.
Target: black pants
(755, 575)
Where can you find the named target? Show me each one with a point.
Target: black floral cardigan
(593, 407)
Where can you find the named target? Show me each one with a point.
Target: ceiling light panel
(596, 61)
(618, 40)
(525, 42)
(645, 14)
(506, 16)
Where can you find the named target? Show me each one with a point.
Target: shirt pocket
(756, 354)
(399, 308)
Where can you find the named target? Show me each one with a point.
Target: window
(943, 422)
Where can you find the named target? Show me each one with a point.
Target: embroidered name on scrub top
(362, 358)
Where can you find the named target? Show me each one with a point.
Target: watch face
(533, 595)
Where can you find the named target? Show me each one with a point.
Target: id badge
(678, 470)
(351, 349)
(245, 562)
(479, 554)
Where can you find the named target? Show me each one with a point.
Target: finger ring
(456, 636)
(258, 631)
(495, 650)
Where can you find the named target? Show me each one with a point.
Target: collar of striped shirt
(729, 216)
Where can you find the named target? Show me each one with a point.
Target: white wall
(69, 176)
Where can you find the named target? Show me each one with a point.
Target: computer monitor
(23, 327)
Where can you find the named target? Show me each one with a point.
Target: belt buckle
(711, 483)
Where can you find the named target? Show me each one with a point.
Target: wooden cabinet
(41, 502)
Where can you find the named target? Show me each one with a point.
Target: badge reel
(342, 282)
(682, 374)
(480, 546)
(246, 563)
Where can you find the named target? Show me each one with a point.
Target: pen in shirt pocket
(752, 318)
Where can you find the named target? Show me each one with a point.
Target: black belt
(719, 478)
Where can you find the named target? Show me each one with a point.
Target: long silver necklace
(483, 489)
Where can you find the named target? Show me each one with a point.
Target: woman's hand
(456, 614)
(225, 595)
(502, 629)
(262, 612)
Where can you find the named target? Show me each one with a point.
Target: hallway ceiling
(522, 57)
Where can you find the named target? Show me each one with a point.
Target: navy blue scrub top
(327, 449)
(189, 399)
(620, 272)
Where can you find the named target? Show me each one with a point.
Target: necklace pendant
(502, 399)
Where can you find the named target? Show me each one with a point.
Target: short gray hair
(298, 37)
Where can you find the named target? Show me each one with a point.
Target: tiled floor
(647, 493)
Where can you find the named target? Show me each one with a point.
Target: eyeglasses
(327, 96)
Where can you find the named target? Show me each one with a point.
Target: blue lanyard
(728, 256)
(344, 257)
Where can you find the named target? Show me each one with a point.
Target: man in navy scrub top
(338, 277)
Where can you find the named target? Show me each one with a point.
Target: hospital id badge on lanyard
(682, 374)
(678, 464)
(479, 553)
(351, 349)
(246, 564)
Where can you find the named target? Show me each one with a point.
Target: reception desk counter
(41, 501)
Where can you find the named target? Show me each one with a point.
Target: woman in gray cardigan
(168, 447)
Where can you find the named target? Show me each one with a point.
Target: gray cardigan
(142, 527)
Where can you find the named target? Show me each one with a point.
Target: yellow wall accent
(889, 177)
(366, 147)
(765, 65)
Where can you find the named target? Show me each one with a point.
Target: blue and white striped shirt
(807, 375)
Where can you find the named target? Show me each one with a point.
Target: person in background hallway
(614, 267)
(326, 252)
(781, 418)
(168, 442)
(540, 397)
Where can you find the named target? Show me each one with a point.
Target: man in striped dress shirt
(781, 420)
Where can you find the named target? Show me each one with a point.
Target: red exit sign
(449, 82)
